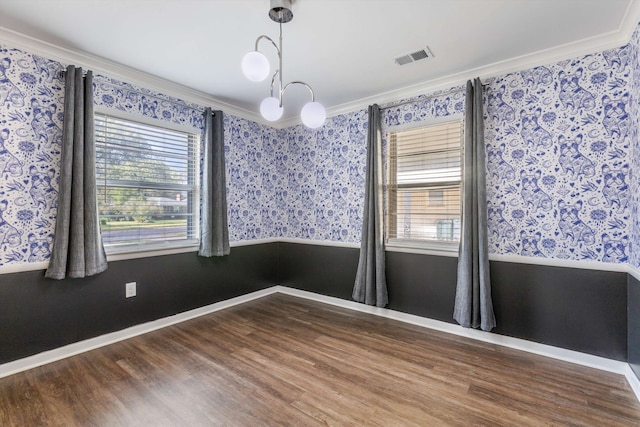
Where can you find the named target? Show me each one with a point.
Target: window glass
(147, 184)
(424, 179)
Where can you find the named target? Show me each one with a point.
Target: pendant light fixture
(255, 67)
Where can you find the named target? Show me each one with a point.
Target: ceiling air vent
(414, 56)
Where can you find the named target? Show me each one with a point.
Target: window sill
(118, 253)
(449, 249)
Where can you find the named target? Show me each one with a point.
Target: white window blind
(424, 178)
(147, 183)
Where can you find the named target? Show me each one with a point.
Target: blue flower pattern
(562, 159)
(570, 148)
(629, 55)
(31, 95)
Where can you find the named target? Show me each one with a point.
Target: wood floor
(281, 360)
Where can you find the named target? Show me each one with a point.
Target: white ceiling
(344, 49)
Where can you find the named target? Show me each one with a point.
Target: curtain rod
(435, 95)
(200, 110)
(151, 95)
(413, 101)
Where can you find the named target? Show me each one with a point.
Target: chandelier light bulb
(313, 115)
(255, 66)
(270, 109)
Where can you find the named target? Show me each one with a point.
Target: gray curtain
(214, 232)
(473, 305)
(77, 246)
(371, 283)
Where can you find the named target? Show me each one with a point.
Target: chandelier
(255, 67)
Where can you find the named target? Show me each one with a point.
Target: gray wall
(576, 309)
(634, 324)
(38, 314)
(582, 310)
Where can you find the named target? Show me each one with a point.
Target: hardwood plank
(282, 360)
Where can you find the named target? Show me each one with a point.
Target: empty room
(319, 212)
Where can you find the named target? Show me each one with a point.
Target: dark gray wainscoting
(38, 314)
(582, 310)
(325, 270)
(634, 324)
(576, 309)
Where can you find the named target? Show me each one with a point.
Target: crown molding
(586, 46)
(122, 72)
(127, 74)
(630, 21)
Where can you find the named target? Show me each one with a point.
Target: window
(424, 178)
(147, 184)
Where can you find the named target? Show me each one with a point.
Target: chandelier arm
(278, 72)
(313, 114)
(313, 96)
(281, 91)
(273, 81)
(272, 42)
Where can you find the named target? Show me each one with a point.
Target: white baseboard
(59, 353)
(515, 343)
(633, 381)
(576, 357)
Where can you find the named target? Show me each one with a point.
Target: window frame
(434, 247)
(139, 250)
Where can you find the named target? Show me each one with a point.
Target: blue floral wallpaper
(563, 159)
(634, 176)
(31, 99)
(558, 159)
(323, 179)
(252, 154)
(32, 95)
(125, 97)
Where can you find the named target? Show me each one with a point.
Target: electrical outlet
(130, 289)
